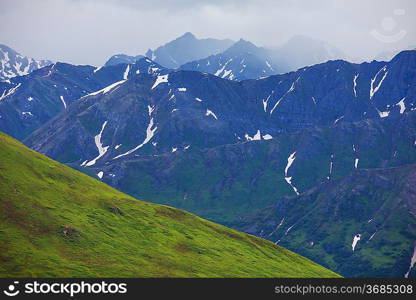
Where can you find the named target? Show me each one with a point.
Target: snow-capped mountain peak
(14, 64)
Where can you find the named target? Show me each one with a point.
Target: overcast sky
(89, 31)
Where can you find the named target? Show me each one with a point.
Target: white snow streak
(9, 92)
(356, 163)
(340, 118)
(330, 166)
(288, 179)
(97, 69)
(355, 85)
(209, 112)
(150, 132)
(100, 174)
(126, 73)
(106, 89)
(402, 105)
(357, 237)
(150, 109)
(265, 102)
(373, 90)
(256, 137)
(160, 79)
(222, 70)
(101, 150)
(412, 263)
(291, 89)
(63, 101)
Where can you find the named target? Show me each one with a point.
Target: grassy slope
(111, 234)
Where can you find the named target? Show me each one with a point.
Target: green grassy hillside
(55, 222)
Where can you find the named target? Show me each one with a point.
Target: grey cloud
(89, 31)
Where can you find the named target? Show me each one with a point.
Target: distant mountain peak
(188, 35)
(186, 48)
(243, 42)
(243, 46)
(14, 64)
(122, 59)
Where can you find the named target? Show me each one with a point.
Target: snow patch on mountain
(210, 113)
(373, 90)
(288, 179)
(63, 101)
(256, 137)
(291, 89)
(160, 79)
(150, 109)
(9, 92)
(355, 85)
(98, 143)
(412, 263)
(126, 72)
(107, 88)
(401, 105)
(383, 114)
(355, 240)
(150, 132)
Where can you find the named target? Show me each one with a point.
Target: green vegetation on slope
(55, 221)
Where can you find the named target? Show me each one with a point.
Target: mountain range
(186, 48)
(319, 160)
(14, 64)
(27, 102)
(243, 60)
(237, 60)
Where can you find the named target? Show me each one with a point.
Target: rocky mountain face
(243, 60)
(27, 102)
(231, 112)
(14, 64)
(362, 225)
(186, 48)
(225, 149)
